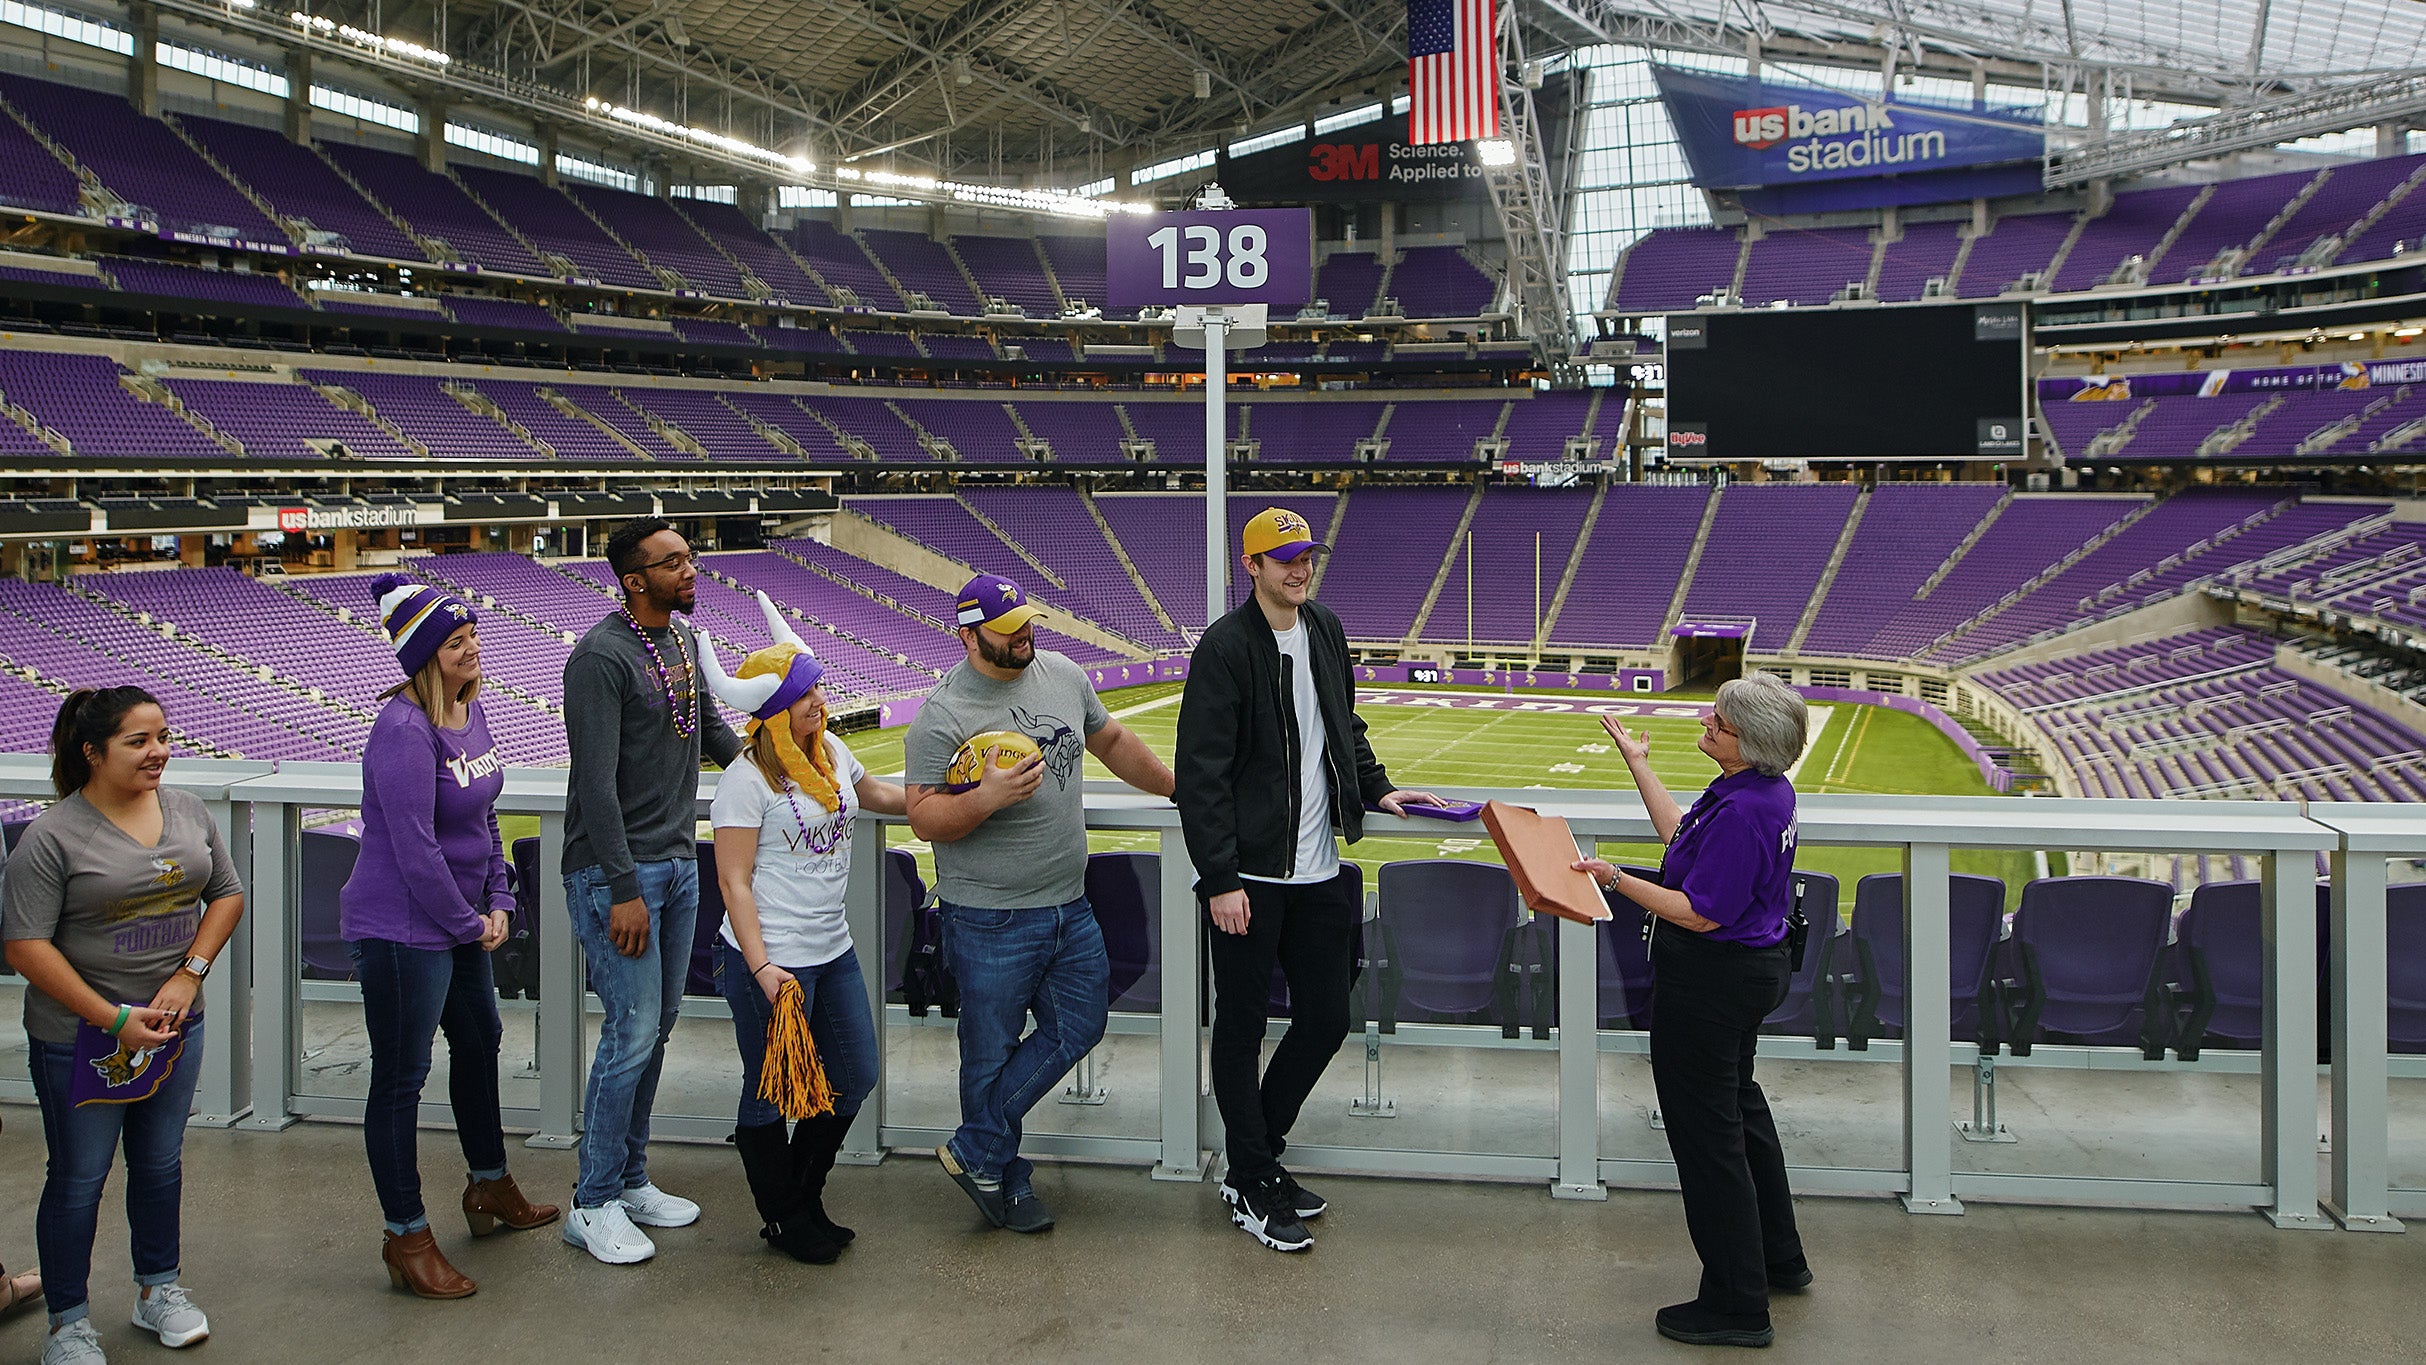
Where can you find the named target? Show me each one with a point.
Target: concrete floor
(282, 1250)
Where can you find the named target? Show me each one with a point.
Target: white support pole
(1184, 1157)
(223, 1096)
(561, 992)
(277, 992)
(863, 910)
(1217, 471)
(2287, 1065)
(2362, 1163)
(1928, 1030)
(1578, 1062)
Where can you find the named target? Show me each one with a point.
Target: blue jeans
(837, 1004)
(409, 994)
(1010, 963)
(82, 1143)
(641, 995)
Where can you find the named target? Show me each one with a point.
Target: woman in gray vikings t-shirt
(117, 898)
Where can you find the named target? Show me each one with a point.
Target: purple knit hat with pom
(417, 617)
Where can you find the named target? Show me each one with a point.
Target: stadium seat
(710, 925)
(1448, 947)
(1809, 1010)
(2219, 967)
(1868, 972)
(1125, 891)
(2405, 951)
(1625, 960)
(327, 859)
(2088, 953)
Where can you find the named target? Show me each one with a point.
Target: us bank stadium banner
(1801, 149)
(2118, 388)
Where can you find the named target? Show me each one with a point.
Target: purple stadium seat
(1870, 977)
(1125, 890)
(326, 860)
(2220, 966)
(1447, 945)
(2405, 951)
(1625, 959)
(2088, 950)
(1809, 1008)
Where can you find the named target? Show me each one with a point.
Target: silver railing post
(863, 910)
(272, 909)
(2362, 1164)
(2287, 1066)
(1184, 1156)
(560, 1015)
(1928, 1031)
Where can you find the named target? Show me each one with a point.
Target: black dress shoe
(1695, 1325)
(1790, 1281)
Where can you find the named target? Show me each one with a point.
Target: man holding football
(995, 766)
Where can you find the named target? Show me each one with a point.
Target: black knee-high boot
(814, 1143)
(766, 1161)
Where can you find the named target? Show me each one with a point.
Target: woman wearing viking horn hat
(783, 856)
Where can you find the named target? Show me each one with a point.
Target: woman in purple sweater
(427, 904)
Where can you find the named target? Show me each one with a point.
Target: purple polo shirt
(1733, 857)
(431, 863)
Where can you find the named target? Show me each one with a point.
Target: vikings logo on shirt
(172, 872)
(1055, 738)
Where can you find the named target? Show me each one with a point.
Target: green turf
(1857, 749)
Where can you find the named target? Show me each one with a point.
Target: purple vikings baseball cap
(996, 603)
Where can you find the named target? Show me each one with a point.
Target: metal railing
(251, 1071)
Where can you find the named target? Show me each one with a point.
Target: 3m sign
(1344, 161)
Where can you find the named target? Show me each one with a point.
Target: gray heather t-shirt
(123, 915)
(1035, 853)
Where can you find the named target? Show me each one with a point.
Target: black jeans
(1312, 932)
(1709, 998)
(408, 996)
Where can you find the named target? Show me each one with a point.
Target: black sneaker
(1695, 1325)
(1262, 1208)
(1304, 1202)
(1790, 1279)
(1027, 1213)
(988, 1201)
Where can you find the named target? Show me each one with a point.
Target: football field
(1435, 737)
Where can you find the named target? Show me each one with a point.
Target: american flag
(1452, 70)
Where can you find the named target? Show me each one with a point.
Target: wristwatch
(196, 966)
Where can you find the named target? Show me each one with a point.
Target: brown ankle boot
(414, 1262)
(486, 1203)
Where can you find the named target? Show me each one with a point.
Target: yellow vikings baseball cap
(1280, 533)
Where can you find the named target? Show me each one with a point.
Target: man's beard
(1008, 656)
(680, 599)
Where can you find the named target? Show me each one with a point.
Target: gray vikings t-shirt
(123, 915)
(1035, 853)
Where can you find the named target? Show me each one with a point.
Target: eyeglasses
(672, 561)
(1721, 726)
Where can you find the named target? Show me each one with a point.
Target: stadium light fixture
(2408, 331)
(640, 118)
(393, 47)
(1062, 202)
(1496, 151)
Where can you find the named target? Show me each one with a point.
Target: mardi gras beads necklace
(685, 710)
(816, 845)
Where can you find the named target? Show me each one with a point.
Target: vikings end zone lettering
(1741, 134)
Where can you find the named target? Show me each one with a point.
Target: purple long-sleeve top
(431, 863)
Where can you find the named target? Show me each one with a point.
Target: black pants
(1709, 998)
(1312, 932)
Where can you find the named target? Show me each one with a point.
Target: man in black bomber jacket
(1272, 760)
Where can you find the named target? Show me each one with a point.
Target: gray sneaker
(1027, 1213)
(168, 1314)
(74, 1344)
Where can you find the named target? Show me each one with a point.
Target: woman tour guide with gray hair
(1720, 963)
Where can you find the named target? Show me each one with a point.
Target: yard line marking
(1819, 727)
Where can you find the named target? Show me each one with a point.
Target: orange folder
(1540, 853)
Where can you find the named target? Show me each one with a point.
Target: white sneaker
(653, 1206)
(74, 1344)
(168, 1314)
(606, 1232)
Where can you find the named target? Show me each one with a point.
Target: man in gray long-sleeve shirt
(637, 719)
